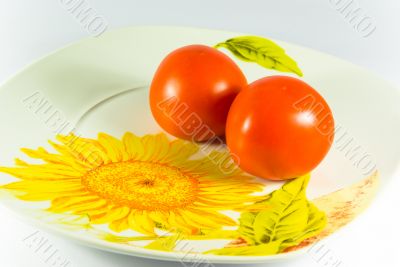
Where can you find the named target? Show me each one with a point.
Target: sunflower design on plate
(137, 183)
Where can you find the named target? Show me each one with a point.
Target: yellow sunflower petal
(99, 212)
(62, 204)
(212, 165)
(133, 146)
(84, 208)
(39, 173)
(150, 147)
(180, 151)
(113, 214)
(41, 196)
(211, 219)
(54, 160)
(87, 152)
(119, 225)
(199, 221)
(45, 186)
(141, 223)
(161, 148)
(177, 223)
(42, 154)
(113, 146)
(159, 217)
(144, 221)
(20, 162)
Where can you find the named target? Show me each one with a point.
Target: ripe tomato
(279, 128)
(192, 91)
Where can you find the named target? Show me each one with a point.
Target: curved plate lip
(153, 254)
(175, 27)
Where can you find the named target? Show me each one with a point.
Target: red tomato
(192, 90)
(279, 128)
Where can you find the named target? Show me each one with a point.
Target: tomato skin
(204, 80)
(279, 128)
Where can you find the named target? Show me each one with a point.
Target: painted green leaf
(262, 51)
(317, 221)
(289, 214)
(246, 229)
(288, 219)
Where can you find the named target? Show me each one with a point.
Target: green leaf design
(246, 229)
(317, 221)
(288, 215)
(288, 219)
(262, 51)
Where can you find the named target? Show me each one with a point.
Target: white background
(31, 29)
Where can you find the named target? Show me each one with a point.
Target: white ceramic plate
(101, 85)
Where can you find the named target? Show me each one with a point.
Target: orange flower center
(142, 185)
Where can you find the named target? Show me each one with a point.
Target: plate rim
(154, 254)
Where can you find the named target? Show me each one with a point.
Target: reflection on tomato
(279, 128)
(192, 91)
